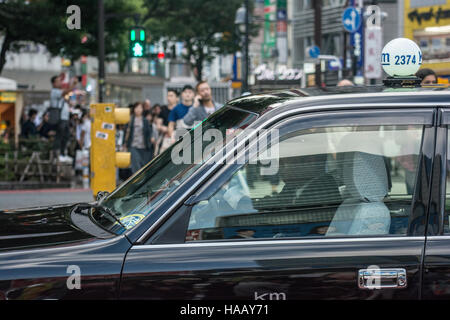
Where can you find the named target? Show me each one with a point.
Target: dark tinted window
(340, 181)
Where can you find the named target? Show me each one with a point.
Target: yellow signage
(422, 17)
(236, 84)
(7, 97)
(429, 27)
(443, 81)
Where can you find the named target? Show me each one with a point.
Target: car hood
(40, 227)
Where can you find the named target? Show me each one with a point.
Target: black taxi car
(275, 196)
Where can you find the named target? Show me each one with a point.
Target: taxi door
(343, 218)
(436, 277)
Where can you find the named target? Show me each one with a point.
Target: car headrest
(366, 177)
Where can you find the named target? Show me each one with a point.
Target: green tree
(44, 22)
(205, 26)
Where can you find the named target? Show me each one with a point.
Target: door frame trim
(225, 243)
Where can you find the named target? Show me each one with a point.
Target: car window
(139, 195)
(335, 181)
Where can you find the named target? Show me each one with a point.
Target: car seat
(363, 212)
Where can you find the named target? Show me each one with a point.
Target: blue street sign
(314, 52)
(281, 14)
(351, 19)
(333, 65)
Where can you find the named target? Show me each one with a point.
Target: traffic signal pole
(101, 43)
(101, 50)
(104, 158)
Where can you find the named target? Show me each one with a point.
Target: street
(44, 197)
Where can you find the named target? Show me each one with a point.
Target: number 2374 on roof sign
(401, 57)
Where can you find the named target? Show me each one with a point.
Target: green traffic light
(142, 35)
(133, 35)
(138, 50)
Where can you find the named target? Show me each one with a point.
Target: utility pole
(318, 36)
(101, 50)
(344, 67)
(246, 59)
(374, 81)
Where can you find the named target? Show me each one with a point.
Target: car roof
(261, 103)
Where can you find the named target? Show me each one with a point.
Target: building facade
(335, 40)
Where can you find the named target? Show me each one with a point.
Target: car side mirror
(101, 195)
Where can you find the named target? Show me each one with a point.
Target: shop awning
(7, 84)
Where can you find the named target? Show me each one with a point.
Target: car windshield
(138, 196)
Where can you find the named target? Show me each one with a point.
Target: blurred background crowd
(151, 130)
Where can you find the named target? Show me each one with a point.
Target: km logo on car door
(270, 296)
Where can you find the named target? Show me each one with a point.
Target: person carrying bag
(54, 113)
(59, 113)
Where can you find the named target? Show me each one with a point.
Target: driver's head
(300, 170)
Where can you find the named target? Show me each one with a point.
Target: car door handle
(375, 278)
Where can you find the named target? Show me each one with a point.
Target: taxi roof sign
(401, 57)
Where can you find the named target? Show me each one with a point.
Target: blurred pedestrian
(124, 173)
(156, 110)
(148, 115)
(23, 118)
(147, 105)
(150, 118)
(165, 139)
(46, 130)
(345, 83)
(120, 135)
(178, 113)
(84, 145)
(159, 130)
(203, 106)
(29, 129)
(138, 138)
(172, 101)
(427, 76)
(7, 132)
(58, 101)
(85, 131)
(157, 120)
(74, 132)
